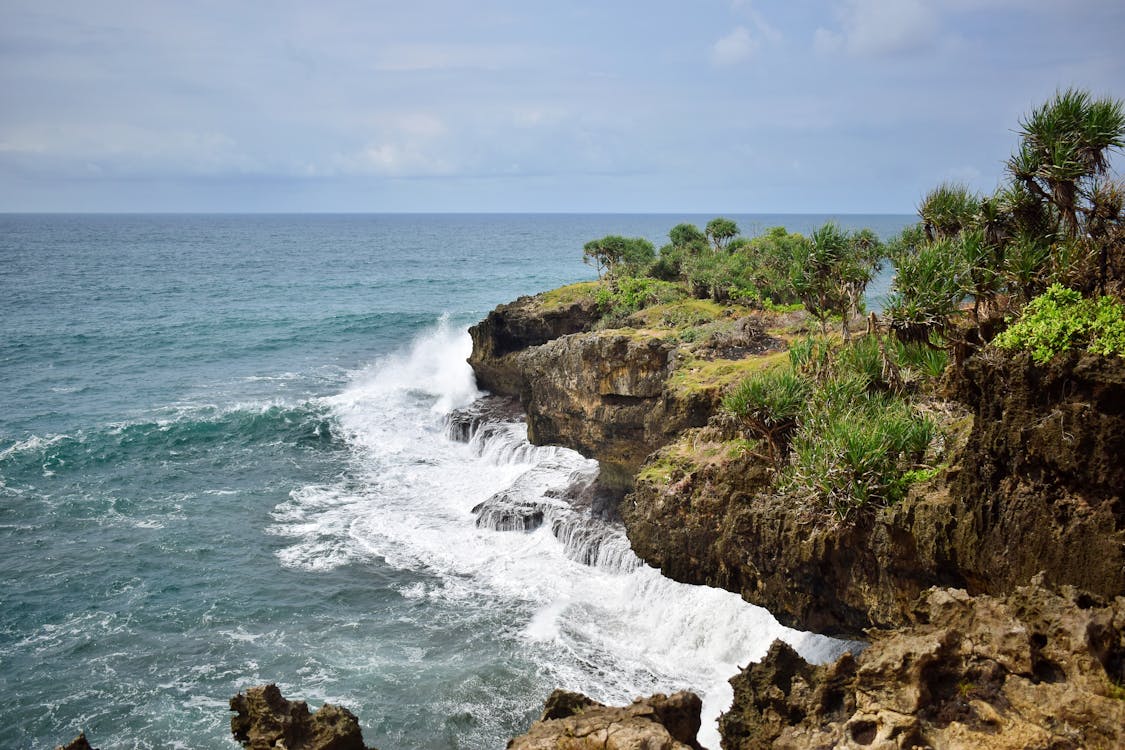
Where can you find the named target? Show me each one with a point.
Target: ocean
(225, 460)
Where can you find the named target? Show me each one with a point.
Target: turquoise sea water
(223, 462)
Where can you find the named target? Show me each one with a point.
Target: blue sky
(518, 105)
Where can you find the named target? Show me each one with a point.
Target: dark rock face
(265, 721)
(1038, 487)
(604, 394)
(572, 721)
(712, 521)
(516, 326)
(1036, 669)
(1043, 474)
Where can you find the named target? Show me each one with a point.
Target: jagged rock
(1041, 483)
(512, 328)
(1035, 669)
(703, 514)
(78, 743)
(265, 720)
(572, 721)
(1037, 487)
(462, 424)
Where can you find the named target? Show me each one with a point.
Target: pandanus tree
(1063, 161)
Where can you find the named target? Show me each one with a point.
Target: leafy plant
(769, 404)
(862, 454)
(1061, 319)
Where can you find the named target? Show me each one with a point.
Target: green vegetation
(768, 405)
(839, 418)
(839, 424)
(1061, 319)
(1058, 220)
(618, 255)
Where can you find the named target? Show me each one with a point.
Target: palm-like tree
(1064, 153)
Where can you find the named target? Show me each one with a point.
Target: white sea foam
(615, 628)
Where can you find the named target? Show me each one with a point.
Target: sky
(708, 106)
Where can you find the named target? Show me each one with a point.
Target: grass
(694, 374)
(567, 295)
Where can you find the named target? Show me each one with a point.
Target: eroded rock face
(572, 721)
(1037, 487)
(265, 721)
(710, 519)
(1043, 475)
(516, 326)
(1036, 669)
(605, 394)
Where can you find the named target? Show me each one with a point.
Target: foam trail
(596, 619)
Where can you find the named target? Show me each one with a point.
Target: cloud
(733, 48)
(881, 28)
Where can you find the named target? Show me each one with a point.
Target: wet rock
(462, 424)
(265, 720)
(1034, 669)
(78, 743)
(572, 721)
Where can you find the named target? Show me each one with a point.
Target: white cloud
(734, 47)
(826, 42)
(881, 28)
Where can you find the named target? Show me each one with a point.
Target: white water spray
(486, 513)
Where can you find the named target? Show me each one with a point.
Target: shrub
(769, 405)
(1061, 319)
(857, 455)
(629, 294)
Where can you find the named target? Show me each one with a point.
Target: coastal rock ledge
(265, 720)
(571, 721)
(1035, 669)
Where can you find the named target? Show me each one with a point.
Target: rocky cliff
(1035, 485)
(1033, 669)
(614, 394)
(571, 721)
(1032, 481)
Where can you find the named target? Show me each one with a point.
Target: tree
(1063, 160)
(946, 210)
(612, 253)
(817, 275)
(720, 232)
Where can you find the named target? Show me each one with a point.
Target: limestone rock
(516, 326)
(572, 721)
(1037, 487)
(265, 721)
(1035, 669)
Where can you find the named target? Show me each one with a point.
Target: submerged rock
(1035, 669)
(265, 720)
(571, 721)
(78, 743)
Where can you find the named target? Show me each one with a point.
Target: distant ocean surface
(223, 461)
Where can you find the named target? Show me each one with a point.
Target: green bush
(628, 294)
(1062, 319)
(769, 404)
(857, 454)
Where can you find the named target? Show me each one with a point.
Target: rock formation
(78, 743)
(572, 721)
(609, 394)
(267, 721)
(1037, 485)
(1035, 669)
